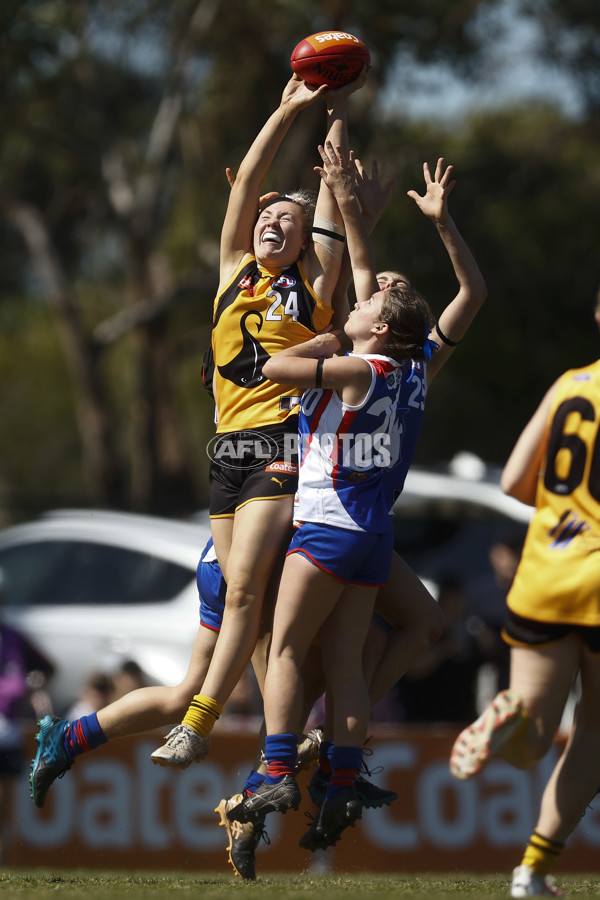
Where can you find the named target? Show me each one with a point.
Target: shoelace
(311, 819)
(364, 769)
(179, 735)
(260, 833)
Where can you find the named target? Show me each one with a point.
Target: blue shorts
(354, 557)
(211, 589)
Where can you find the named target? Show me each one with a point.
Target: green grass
(36, 883)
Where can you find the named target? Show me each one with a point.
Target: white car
(446, 520)
(94, 589)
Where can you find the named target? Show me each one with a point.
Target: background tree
(119, 120)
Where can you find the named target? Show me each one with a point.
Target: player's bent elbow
(269, 370)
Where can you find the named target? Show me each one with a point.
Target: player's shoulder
(580, 376)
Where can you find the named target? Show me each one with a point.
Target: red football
(330, 57)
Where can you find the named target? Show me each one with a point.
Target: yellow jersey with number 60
(258, 313)
(558, 579)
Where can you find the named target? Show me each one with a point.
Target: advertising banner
(116, 809)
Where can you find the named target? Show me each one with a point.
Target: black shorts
(257, 464)
(518, 631)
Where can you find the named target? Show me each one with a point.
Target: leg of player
(313, 681)
(344, 633)
(407, 621)
(244, 838)
(520, 723)
(60, 742)
(306, 597)
(319, 782)
(417, 622)
(259, 539)
(570, 789)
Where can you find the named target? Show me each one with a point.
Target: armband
(319, 378)
(328, 235)
(444, 338)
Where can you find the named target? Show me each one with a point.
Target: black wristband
(319, 377)
(444, 338)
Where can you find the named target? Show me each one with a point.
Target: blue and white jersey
(354, 459)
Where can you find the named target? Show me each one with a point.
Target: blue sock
(345, 766)
(83, 735)
(281, 751)
(253, 780)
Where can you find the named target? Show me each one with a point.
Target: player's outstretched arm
(472, 291)
(373, 197)
(522, 469)
(323, 266)
(237, 231)
(338, 173)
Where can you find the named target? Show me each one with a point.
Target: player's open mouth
(271, 237)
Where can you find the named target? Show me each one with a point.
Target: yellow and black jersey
(558, 579)
(258, 313)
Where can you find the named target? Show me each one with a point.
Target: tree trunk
(100, 462)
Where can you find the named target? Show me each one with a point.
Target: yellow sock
(202, 714)
(541, 853)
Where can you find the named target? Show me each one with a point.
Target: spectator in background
(102, 688)
(95, 692)
(486, 609)
(23, 673)
(129, 677)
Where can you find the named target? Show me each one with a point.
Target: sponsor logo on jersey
(282, 466)
(245, 284)
(568, 527)
(285, 281)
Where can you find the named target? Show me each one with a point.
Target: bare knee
(241, 597)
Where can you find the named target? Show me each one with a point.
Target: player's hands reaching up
(437, 189)
(337, 172)
(372, 194)
(297, 93)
